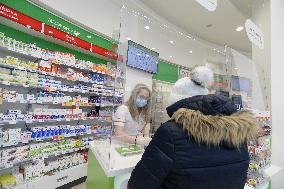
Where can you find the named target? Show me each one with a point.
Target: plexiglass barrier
(233, 40)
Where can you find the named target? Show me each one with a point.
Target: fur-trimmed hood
(212, 130)
(213, 119)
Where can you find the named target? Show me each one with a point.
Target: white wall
(100, 15)
(277, 89)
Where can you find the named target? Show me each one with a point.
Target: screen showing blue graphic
(142, 58)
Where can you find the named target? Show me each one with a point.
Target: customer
(132, 119)
(203, 146)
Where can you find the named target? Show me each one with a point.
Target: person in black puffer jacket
(202, 146)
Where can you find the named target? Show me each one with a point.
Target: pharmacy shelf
(44, 73)
(7, 83)
(20, 54)
(61, 104)
(25, 55)
(59, 179)
(44, 157)
(50, 139)
(13, 122)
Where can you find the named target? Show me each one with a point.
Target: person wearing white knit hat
(202, 146)
(200, 79)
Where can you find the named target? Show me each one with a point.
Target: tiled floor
(81, 186)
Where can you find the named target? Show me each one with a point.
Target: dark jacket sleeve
(156, 162)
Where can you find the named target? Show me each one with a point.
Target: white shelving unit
(74, 173)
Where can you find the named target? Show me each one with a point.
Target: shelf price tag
(23, 101)
(6, 83)
(8, 165)
(12, 122)
(29, 121)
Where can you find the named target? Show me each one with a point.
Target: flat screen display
(142, 58)
(241, 84)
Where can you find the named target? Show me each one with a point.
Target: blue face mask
(140, 102)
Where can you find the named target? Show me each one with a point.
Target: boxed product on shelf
(40, 168)
(260, 152)
(12, 178)
(8, 181)
(10, 136)
(14, 155)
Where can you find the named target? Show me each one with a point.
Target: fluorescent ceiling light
(240, 28)
(147, 27)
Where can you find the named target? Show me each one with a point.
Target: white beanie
(200, 79)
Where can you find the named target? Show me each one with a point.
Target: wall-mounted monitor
(241, 84)
(142, 58)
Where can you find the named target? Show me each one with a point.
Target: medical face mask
(140, 102)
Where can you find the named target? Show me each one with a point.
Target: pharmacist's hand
(144, 141)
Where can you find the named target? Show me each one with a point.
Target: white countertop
(111, 161)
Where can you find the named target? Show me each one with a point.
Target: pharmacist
(132, 119)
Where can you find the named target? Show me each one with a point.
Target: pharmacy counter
(115, 167)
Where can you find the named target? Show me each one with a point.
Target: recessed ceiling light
(194, 39)
(188, 37)
(240, 28)
(171, 56)
(153, 48)
(190, 52)
(89, 36)
(236, 68)
(171, 42)
(147, 27)
(128, 38)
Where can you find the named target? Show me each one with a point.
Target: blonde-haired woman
(132, 119)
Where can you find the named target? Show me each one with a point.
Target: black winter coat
(202, 147)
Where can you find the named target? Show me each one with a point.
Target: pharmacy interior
(64, 73)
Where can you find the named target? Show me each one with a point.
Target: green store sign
(36, 12)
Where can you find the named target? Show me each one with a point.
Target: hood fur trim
(234, 130)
